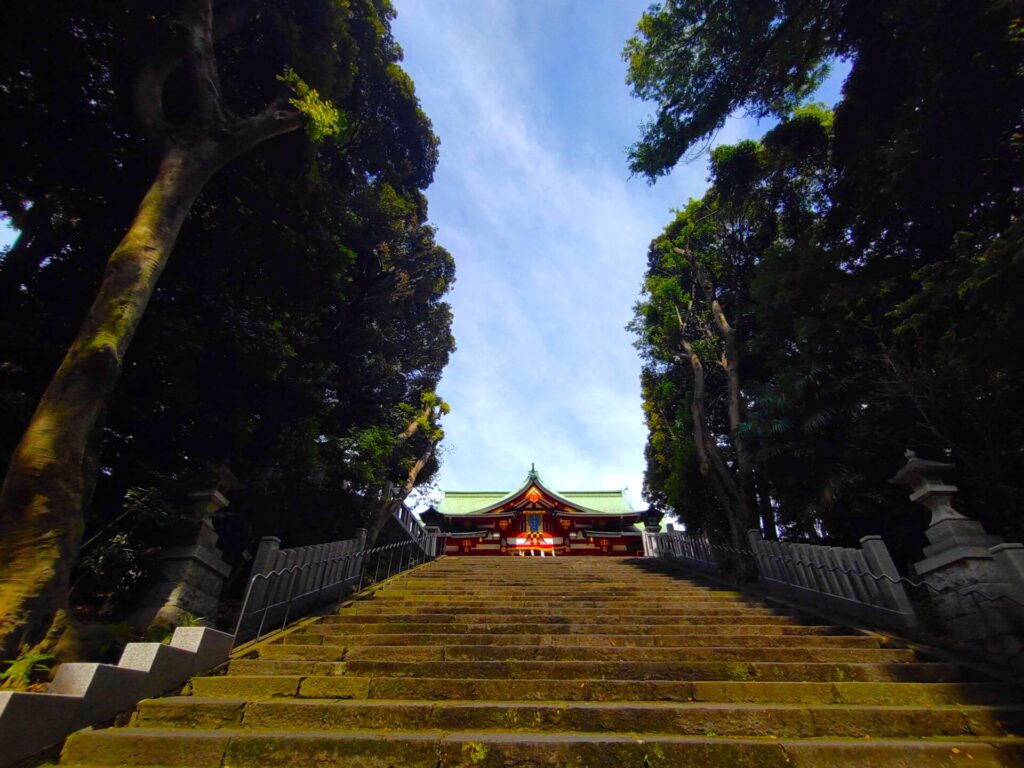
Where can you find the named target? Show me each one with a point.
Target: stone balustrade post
(1010, 559)
(192, 575)
(963, 562)
(890, 587)
(434, 536)
(650, 540)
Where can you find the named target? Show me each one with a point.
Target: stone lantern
(969, 568)
(953, 537)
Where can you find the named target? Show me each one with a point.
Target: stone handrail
(87, 694)
(862, 583)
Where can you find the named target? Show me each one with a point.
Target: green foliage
(30, 667)
(323, 120)
(302, 312)
(868, 258)
(702, 60)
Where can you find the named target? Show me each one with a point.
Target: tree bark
(744, 464)
(392, 502)
(709, 458)
(53, 468)
(52, 471)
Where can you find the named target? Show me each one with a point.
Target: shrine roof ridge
(469, 502)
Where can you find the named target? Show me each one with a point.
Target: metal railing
(859, 583)
(412, 525)
(275, 598)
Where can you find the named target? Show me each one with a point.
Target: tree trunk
(744, 465)
(392, 503)
(711, 464)
(52, 470)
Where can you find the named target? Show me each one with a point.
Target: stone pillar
(971, 569)
(1010, 558)
(191, 575)
(891, 588)
(434, 536)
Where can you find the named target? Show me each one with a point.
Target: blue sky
(533, 198)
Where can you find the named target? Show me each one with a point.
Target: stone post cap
(916, 471)
(927, 488)
(1005, 547)
(210, 500)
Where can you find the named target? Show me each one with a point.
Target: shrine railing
(287, 584)
(276, 597)
(861, 583)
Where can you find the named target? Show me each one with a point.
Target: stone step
(590, 653)
(575, 628)
(554, 618)
(692, 718)
(629, 639)
(721, 691)
(634, 614)
(644, 600)
(553, 582)
(556, 586)
(612, 670)
(486, 749)
(571, 662)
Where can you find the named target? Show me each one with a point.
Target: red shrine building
(535, 520)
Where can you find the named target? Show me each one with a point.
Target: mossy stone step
(644, 598)
(485, 749)
(408, 642)
(555, 618)
(609, 670)
(631, 613)
(661, 670)
(584, 662)
(720, 691)
(692, 719)
(587, 653)
(623, 630)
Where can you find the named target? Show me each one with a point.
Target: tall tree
(881, 294)
(417, 443)
(180, 101)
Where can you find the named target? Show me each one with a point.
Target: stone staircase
(488, 662)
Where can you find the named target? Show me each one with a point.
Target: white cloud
(548, 232)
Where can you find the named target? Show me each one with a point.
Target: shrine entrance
(536, 521)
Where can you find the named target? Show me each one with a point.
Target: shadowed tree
(882, 291)
(186, 113)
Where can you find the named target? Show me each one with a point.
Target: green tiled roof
(467, 502)
(602, 501)
(461, 502)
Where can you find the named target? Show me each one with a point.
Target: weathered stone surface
(166, 667)
(210, 646)
(105, 690)
(576, 664)
(30, 722)
(143, 747)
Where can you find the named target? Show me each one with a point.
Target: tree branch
(201, 63)
(278, 118)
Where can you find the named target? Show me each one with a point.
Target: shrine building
(534, 520)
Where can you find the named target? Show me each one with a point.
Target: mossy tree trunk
(426, 421)
(52, 471)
